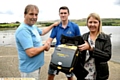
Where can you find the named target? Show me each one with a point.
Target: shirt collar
(68, 25)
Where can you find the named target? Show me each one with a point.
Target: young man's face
(31, 17)
(63, 13)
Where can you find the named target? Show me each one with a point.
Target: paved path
(9, 65)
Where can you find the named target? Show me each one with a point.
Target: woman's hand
(84, 46)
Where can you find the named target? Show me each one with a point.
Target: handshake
(47, 46)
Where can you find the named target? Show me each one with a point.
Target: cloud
(7, 12)
(14, 11)
(117, 2)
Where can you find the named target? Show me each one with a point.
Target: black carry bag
(65, 56)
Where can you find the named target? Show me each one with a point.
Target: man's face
(63, 13)
(31, 17)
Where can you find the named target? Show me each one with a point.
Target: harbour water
(7, 39)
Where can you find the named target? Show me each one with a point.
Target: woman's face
(93, 24)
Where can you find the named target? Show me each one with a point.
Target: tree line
(80, 22)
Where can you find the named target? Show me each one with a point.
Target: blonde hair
(97, 17)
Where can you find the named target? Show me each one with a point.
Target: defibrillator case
(65, 56)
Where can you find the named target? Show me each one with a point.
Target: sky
(13, 10)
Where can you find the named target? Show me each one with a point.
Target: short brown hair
(30, 6)
(64, 7)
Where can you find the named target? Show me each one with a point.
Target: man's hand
(47, 29)
(56, 24)
(47, 46)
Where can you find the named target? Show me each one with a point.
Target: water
(7, 38)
